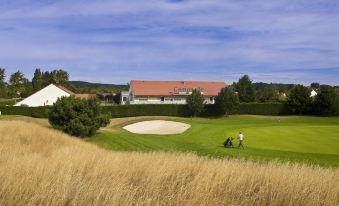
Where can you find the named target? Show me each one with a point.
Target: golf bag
(228, 143)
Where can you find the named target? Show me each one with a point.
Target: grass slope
(303, 139)
(41, 166)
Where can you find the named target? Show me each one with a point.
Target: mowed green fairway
(312, 140)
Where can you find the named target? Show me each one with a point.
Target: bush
(77, 117)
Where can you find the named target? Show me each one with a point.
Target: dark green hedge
(252, 108)
(38, 112)
(146, 110)
(181, 110)
(4, 102)
(263, 109)
(156, 110)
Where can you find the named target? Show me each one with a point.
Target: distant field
(302, 139)
(41, 166)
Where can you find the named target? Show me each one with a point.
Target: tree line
(298, 100)
(295, 97)
(326, 102)
(20, 86)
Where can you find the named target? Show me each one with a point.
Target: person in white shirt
(241, 139)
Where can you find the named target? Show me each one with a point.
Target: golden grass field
(41, 166)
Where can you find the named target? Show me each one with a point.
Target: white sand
(157, 127)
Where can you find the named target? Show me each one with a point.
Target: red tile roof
(85, 96)
(172, 88)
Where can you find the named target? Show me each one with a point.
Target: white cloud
(162, 36)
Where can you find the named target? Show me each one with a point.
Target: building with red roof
(169, 92)
(85, 96)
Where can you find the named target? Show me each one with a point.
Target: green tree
(3, 89)
(245, 89)
(17, 83)
(37, 80)
(195, 102)
(28, 90)
(299, 100)
(267, 94)
(47, 78)
(226, 102)
(325, 102)
(60, 76)
(81, 118)
(315, 85)
(2, 77)
(55, 77)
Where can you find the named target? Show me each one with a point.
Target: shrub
(226, 102)
(77, 117)
(195, 102)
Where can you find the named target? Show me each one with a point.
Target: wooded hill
(88, 87)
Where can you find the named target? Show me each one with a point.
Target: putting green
(299, 139)
(309, 139)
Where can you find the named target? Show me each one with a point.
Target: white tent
(46, 96)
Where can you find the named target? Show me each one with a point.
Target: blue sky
(287, 41)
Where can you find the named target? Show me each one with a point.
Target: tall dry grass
(40, 166)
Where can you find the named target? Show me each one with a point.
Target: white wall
(313, 93)
(157, 100)
(46, 96)
(124, 95)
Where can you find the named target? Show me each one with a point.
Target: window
(124, 99)
(162, 99)
(211, 99)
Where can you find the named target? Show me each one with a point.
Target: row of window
(162, 99)
(168, 99)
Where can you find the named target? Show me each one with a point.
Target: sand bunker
(157, 127)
